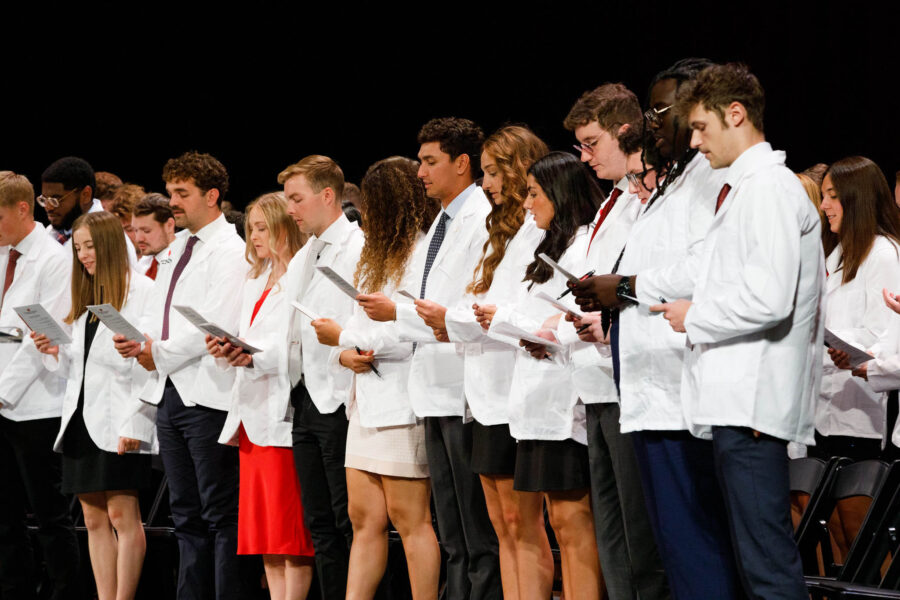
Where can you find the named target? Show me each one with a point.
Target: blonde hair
(282, 230)
(15, 188)
(320, 172)
(112, 274)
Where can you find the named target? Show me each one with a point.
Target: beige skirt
(397, 451)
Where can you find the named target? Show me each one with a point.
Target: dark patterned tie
(182, 263)
(724, 192)
(433, 249)
(61, 236)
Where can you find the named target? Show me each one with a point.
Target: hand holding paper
(41, 322)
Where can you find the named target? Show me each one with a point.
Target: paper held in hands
(306, 311)
(511, 334)
(116, 323)
(344, 285)
(555, 265)
(407, 294)
(559, 305)
(40, 322)
(857, 356)
(197, 320)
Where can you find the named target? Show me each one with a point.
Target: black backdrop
(261, 84)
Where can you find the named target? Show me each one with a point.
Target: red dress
(270, 516)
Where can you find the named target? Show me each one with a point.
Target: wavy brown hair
(282, 230)
(396, 210)
(514, 149)
(112, 273)
(868, 208)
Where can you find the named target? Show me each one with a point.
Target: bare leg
(368, 553)
(125, 515)
(298, 574)
(101, 543)
(573, 522)
(508, 577)
(274, 566)
(408, 504)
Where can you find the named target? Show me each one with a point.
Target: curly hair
(396, 209)
(611, 105)
(514, 149)
(575, 195)
(717, 86)
(124, 198)
(455, 137)
(204, 169)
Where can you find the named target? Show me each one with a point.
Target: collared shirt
(457, 203)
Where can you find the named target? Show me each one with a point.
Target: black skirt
(87, 468)
(493, 450)
(551, 466)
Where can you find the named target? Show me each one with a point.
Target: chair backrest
(806, 474)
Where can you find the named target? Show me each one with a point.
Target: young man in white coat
(440, 269)
(754, 325)
(204, 268)
(313, 190)
(607, 122)
(35, 270)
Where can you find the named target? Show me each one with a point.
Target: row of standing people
(601, 425)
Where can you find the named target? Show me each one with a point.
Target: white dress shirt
(489, 363)
(212, 284)
(261, 392)
(755, 329)
(856, 313)
(665, 237)
(543, 403)
(590, 365)
(42, 276)
(338, 247)
(111, 383)
(436, 382)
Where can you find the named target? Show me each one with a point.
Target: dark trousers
(203, 494)
(466, 532)
(631, 564)
(319, 444)
(753, 474)
(687, 513)
(30, 472)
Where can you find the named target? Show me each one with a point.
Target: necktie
(10, 272)
(433, 249)
(61, 236)
(724, 192)
(154, 267)
(604, 213)
(182, 263)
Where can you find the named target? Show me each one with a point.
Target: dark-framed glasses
(51, 201)
(637, 179)
(653, 117)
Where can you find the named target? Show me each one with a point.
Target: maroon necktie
(10, 271)
(182, 263)
(604, 213)
(154, 266)
(725, 189)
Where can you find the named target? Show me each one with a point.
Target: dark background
(262, 84)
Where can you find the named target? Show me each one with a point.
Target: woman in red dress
(270, 516)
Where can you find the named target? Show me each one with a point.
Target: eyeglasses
(652, 115)
(50, 201)
(637, 179)
(588, 147)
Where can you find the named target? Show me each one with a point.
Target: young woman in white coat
(860, 210)
(107, 434)
(387, 470)
(526, 563)
(270, 516)
(544, 413)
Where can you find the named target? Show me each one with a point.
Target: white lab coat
(112, 408)
(436, 380)
(755, 329)
(381, 401)
(261, 393)
(328, 389)
(590, 365)
(664, 238)
(884, 371)
(211, 283)
(43, 273)
(489, 363)
(856, 313)
(543, 403)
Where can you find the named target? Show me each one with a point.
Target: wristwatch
(624, 291)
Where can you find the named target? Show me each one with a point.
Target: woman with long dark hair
(544, 413)
(107, 434)
(526, 563)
